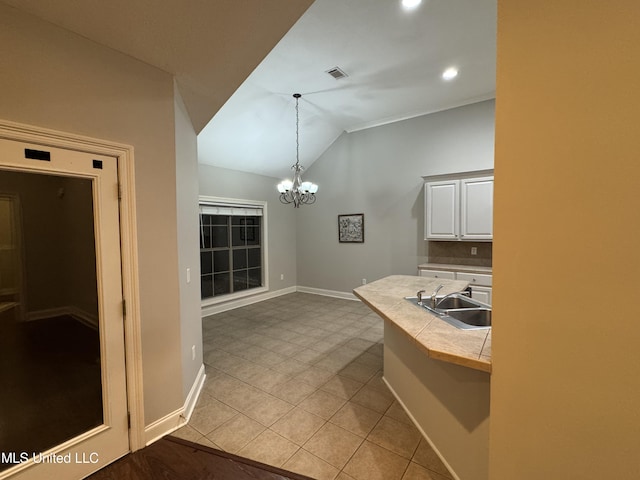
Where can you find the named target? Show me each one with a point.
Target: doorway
(63, 403)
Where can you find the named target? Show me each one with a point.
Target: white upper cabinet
(443, 213)
(476, 208)
(459, 209)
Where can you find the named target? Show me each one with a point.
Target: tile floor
(296, 382)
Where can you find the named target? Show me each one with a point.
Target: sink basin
(458, 310)
(457, 301)
(475, 317)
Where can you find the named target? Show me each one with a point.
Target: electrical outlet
(193, 352)
(188, 275)
(364, 281)
(474, 250)
(282, 276)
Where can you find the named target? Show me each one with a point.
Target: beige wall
(188, 243)
(379, 172)
(54, 79)
(565, 387)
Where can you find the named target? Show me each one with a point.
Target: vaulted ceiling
(238, 62)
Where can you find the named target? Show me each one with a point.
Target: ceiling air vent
(336, 73)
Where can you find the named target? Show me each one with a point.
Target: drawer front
(475, 278)
(437, 274)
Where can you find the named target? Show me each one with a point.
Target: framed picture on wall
(351, 228)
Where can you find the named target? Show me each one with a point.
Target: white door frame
(129, 251)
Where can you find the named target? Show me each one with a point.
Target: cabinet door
(476, 208)
(442, 210)
(482, 294)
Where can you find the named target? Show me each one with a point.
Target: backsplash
(459, 253)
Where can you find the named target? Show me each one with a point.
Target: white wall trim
(129, 250)
(327, 293)
(422, 432)
(194, 394)
(178, 418)
(243, 302)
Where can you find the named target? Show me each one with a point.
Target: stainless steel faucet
(434, 295)
(419, 295)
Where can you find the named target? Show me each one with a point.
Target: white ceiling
(394, 59)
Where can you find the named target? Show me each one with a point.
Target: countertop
(435, 337)
(455, 268)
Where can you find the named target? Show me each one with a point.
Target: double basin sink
(458, 310)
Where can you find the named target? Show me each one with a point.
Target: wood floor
(175, 459)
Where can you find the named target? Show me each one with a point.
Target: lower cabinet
(480, 283)
(437, 274)
(482, 294)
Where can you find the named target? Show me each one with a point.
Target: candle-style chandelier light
(297, 191)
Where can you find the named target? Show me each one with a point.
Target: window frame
(206, 200)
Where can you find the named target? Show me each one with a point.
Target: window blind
(233, 210)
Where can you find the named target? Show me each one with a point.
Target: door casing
(128, 242)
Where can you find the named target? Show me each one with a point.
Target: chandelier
(297, 191)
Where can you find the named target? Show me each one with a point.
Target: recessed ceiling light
(450, 73)
(411, 3)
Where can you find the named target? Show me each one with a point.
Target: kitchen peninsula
(439, 373)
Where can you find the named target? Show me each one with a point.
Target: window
(231, 248)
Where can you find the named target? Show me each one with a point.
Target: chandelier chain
(297, 134)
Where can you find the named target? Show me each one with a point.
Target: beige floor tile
(373, 399)
(268, 411)
(377, 382)
(323, 404)
(269, 381)
(269, 448)
(293, 391)
(369, 359)
(356, 418)
(298, 426)
(396, 412)
(396, 436)
(211, 415)
(241, 396)
(290, 367)
(221, 382)
(333, 444)
(234, 434)
(333, 363)
(247, 371)
(344, 476)
(187, 433)
(416, 472)
(314, 376)
(307, 464)
(358, 371)
(426, 457)
(342, 387)
(372, 462)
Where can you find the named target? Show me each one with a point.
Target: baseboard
(194, 394)
(178, 418)
(422, 432)
(327, 293)
(243, 302)
(76, 313)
